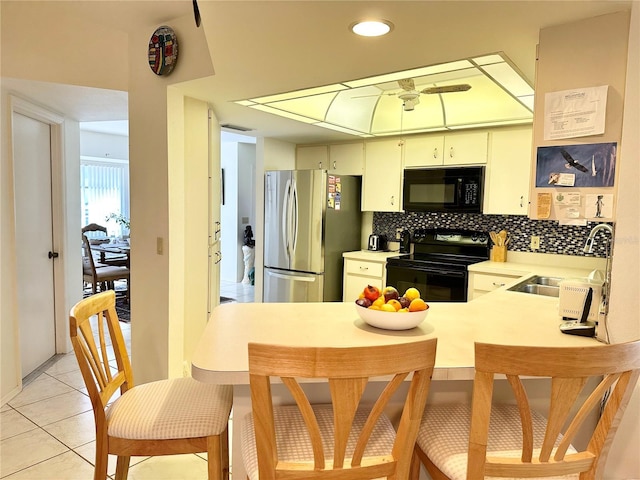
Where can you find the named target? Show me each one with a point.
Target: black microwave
(454, 189)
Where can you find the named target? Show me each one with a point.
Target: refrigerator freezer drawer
(288, 286)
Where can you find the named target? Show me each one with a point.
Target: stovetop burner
(445, 247)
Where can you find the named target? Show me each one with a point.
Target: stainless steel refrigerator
(311, 218)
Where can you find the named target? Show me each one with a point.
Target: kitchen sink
(537, 285)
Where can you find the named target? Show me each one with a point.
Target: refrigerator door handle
(294, 217)
(297, 278)
(285, 218)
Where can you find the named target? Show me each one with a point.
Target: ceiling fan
(411, 97)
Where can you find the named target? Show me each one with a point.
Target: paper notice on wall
(544, 205)
(575, 113)
(562, 198)
(598, 206)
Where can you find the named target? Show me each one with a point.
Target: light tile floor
(47, 431)
(240, 292)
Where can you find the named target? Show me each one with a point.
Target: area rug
(122, 309)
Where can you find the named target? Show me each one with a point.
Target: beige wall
(624, 313)
(159, 172)
(586, 53)
(45, 41)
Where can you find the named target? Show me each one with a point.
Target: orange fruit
(378, 302)
(388, 308)
(417, 305)
(395, 304)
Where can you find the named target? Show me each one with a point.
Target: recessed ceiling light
(372, 28)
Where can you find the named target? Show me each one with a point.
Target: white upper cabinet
(508, 172)
(346, 158)
(312, 157)
(423, 151)
(450, 149)
(382, 178)
(466, 148)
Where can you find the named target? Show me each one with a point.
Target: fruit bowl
(391, 320)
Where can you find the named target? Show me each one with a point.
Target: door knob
(53, 255)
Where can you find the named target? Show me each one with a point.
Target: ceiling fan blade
(407, 84)
(462, 87)
(196, 12)
(376, 95)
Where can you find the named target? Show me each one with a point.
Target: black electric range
(438, 265)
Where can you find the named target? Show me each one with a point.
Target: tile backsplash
(554, 238)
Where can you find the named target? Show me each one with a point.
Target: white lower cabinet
(360, 273)
(481, 283)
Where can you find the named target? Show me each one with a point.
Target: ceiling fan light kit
(475, 92)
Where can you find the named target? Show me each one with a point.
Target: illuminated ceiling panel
(380, 105)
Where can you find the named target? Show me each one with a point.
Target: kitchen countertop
(371, 256)
(525, 265)
(498, 317)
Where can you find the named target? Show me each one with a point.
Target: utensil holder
(499, 253)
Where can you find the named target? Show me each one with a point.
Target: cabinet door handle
(319, 165)
(495, 284)
(393, 199)
(451, 152)
(364, 268)
(521, 201)
(334, 165)
(435, 152)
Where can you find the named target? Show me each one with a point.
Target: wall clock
(163, 51)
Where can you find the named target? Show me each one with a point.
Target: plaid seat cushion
(293, 442)
(175, 408)
(444, 436)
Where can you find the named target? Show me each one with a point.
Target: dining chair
(100, 277)
(349, 438)
(513, 440)
(110, 259)
(165, 417)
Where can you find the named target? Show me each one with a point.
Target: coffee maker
(405, 241)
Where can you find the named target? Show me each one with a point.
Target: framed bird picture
(587, 165)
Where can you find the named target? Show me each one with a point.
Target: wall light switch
(159, 246)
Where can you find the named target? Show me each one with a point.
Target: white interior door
(34, 233)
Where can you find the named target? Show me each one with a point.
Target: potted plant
(121, 220)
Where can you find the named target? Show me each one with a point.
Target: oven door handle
(450, 273)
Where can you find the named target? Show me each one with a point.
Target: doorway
(35, 141)
(237, 213)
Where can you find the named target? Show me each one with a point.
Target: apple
(390, 293)
(404, 301)
(371, 292)
(363, 302)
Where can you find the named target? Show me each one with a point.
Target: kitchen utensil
(494, 237)
(502, 237)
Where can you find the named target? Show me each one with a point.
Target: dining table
(499, 317)
(118, 248)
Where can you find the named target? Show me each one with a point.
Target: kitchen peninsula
(498, 317)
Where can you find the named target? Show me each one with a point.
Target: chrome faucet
(588, 248)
